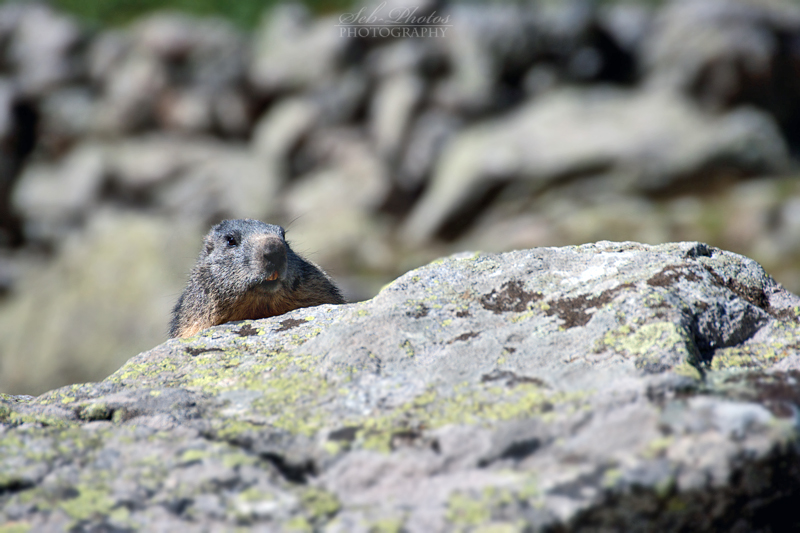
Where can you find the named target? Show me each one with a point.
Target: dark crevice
(346, 434)
(421, 310)
(404, 439)
(753, 295)
(466, 215)
(711, 325)
(14, 151)
(700, 249)
(516, 451)
(194, 352)
(293, 472)
(14, 485)
(178, 506)
(511, 379)
(760, 496)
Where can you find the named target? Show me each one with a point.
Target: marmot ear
(209, 244)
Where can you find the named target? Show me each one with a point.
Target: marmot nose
(272, 254)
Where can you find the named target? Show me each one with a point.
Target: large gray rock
(649, 141)
(605, 387)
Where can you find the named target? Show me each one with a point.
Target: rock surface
(607, 386)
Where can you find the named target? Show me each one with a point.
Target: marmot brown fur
(247, 271)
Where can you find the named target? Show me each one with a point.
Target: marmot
(247, 271)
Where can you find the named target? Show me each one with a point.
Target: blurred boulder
(229, 182)
(174, 71)
(426, 139)
(43, 47)
(67, 117)
(363, 184)
(55, 198)
(104, 298)
(486, 46)
(652, 141)
(232, 113)
(104, 52)
(186, 111)
(140, 166)
(333, 208)
(203, 52)
(586, 44)
(291, 51)
(199, 180)
(130, 95)
(726, 53)
(394, 105)
(280, 132)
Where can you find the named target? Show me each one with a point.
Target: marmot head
(246, 255)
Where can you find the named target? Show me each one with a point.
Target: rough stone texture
(610, 386)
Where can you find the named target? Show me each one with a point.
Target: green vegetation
(244, 13)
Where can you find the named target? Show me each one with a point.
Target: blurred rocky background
(535, 124)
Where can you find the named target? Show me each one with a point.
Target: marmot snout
(247, 270)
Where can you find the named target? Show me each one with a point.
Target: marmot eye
(232, 240)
